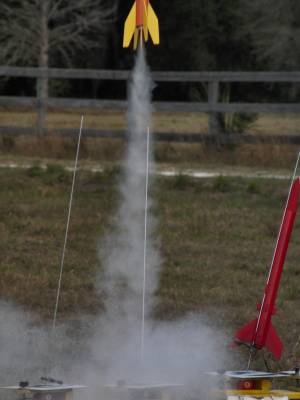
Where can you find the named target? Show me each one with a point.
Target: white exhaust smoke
(122, 253)
(176, 351)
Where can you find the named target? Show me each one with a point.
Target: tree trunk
(43, 82)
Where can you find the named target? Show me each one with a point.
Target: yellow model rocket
(141, 21)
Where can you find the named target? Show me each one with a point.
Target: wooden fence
(212, 106)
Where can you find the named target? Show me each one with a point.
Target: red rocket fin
(273, 342)
(246, 333)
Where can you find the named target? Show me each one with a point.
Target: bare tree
(38, 32)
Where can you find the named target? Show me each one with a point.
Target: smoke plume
(30, 350)
(175, 351)
(122, 253)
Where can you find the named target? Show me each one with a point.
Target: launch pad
(47, 391)
(247, 385)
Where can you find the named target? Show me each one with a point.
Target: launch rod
(67, 228)
(145, 247)
(250, 359)
(273, 259)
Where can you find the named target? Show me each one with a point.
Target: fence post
(41, 103)
(213, 97)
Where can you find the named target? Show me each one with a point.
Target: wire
(67, 229)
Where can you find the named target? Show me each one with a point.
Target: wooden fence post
(213, 97)
(41, 104)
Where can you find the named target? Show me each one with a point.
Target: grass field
(111, 151)
(286, 123)
(216, 240)
(105, 119)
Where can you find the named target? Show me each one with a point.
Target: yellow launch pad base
(261, 394)
(247, 389)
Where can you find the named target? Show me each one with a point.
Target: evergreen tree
(273, 28)
(199, 35)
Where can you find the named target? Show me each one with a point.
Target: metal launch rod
(67, 228)
(145, 247)
(250, 359)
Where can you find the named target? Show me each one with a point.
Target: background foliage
(214, 35)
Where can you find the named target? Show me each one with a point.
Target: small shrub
(181, 182)
(107, 176)
(55, 173)
(237, 122)
(34, 171)
(222, 184)
(253, 187)
(55, 169)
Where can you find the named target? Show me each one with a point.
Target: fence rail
(212, 106)
(11, 101)
(160, 76)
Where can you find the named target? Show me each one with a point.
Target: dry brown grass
(274, 124)
(105, 150)
(259, 155)
(112, 150)
(105, 119)
(288, 123)
(57, 147)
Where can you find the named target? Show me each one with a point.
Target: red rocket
(141, 21)
(260, 332)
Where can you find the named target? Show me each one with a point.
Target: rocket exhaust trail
(141, 40)
(124, 280)
(145, 249)
(132, 345)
